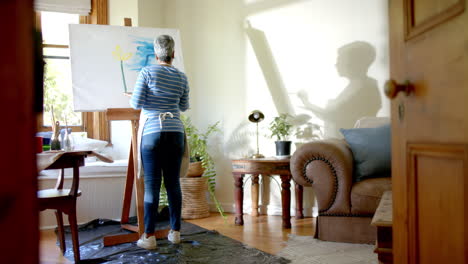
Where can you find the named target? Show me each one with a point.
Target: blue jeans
(161, 155)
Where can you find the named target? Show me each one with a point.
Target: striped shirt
(160, 89)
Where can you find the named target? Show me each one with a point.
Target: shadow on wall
(305, 129)
(269, 69)
(239, 141)
(361, 96)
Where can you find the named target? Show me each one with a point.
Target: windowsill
(95, 169)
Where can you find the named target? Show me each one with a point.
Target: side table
(265, 167)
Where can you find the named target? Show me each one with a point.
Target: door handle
(392, 88)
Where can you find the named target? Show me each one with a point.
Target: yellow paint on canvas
(120, 55)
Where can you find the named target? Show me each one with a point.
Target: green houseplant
(198, 144)
(280, 128)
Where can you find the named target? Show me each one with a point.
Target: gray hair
(164, 47)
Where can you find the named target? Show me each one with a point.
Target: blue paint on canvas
(144, 55)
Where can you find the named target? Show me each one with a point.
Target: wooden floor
(262, 232)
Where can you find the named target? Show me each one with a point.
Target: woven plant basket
(194, 204)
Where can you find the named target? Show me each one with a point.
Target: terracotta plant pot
(195, 169)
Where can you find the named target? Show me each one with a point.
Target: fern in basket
(199, 152)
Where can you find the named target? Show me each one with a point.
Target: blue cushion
(371, 149)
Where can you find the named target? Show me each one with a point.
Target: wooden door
(429, 48)
(18, 182)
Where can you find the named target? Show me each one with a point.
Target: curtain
(82, 7)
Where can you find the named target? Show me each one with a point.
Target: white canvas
(106, 60)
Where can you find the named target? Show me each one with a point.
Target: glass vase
(67, 142)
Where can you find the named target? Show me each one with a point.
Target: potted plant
(201, 162)
(280, 128)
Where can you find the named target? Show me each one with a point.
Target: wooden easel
(133, 115)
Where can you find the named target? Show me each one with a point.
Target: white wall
(275, 56)
(120, 9)
(150, 13)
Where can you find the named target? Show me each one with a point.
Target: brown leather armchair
(345, 207)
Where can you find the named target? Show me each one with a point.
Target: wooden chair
(64, 200)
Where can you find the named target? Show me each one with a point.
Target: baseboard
(264, 209)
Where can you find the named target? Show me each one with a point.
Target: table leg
(299, 190)
(254, 192)
(239, 197)
(286, 200)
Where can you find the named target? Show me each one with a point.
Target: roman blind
(82, 7)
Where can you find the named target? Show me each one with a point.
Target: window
(57, 72)
(58, 96)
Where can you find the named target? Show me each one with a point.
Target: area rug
(306, 249)
(198, 245)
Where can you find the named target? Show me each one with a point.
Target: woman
(162, 92)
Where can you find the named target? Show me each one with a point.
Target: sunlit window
(58, 96)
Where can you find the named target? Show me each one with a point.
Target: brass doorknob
(392, 88)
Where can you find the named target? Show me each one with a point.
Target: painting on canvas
(106, 60)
